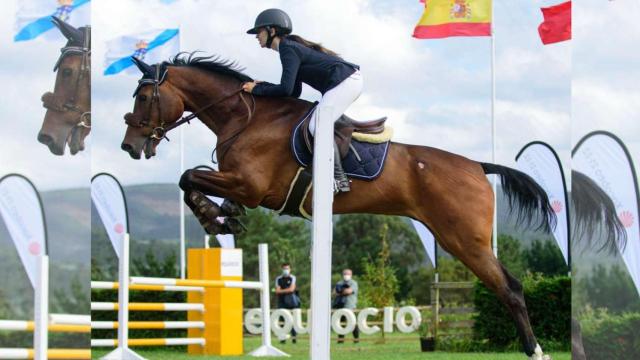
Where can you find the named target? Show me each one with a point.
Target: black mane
(209, 63)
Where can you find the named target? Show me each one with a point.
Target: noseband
(69, 105)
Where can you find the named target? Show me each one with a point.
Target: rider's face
(262, 37)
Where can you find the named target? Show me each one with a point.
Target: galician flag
(445, 18)
(151, 46)
(34, 17)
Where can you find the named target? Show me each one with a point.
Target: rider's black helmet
(275, 18)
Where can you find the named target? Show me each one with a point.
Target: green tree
(545, 257)
(610, 288)
(511, 255)
(378, 283)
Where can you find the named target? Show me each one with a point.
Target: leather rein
(84, 119)
(160, 132)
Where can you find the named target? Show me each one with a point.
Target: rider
(339, 81)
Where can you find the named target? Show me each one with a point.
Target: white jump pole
(41, 310)
(320, 316)
(122, 352)
(266, 349)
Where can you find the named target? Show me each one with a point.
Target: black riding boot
(341, 182)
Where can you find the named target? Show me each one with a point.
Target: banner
(108, 198)
(34, 17)
(445, 18)
(428, 241)
(152, 46)
(540, 161)
(22, 212)
(605, 159)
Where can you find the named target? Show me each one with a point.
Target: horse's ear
(144, 67)
(69, 32)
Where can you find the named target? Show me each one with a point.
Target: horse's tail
(529, 199)
(595, 215)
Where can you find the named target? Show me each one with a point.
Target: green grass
(404, 349)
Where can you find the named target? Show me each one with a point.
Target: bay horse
(448, 193)
(68, 116)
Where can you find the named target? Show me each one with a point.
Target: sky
(434, 92)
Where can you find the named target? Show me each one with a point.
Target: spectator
(346, 292)
(287, 294)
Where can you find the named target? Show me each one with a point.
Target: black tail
(526, 197)
(594, 215)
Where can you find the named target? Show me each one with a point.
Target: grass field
(392, 350)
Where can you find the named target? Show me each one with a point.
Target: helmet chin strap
(269, 36)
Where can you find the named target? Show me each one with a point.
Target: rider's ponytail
(310, 44)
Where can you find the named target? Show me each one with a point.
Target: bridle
(160, 132)
(84, 118)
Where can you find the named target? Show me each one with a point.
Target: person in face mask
(346, 292)
(287, 294)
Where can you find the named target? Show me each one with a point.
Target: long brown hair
(310, 44)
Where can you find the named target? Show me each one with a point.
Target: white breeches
(337, 100)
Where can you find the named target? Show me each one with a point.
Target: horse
(68, 116)
(448, 193)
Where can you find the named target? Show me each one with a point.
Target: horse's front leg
(197, 184)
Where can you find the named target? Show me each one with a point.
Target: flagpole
(180, 201)
(494, 236)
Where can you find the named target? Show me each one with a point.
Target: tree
(545, 257)
(511, 255)
(378, 283)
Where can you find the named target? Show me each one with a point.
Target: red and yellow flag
(445, 18)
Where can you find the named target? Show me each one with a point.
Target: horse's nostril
(44, 138)
(126, 147)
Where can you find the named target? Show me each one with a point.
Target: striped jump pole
(109, 285)
(150, 325)
(111, 306)
(70, 354)
(69, 319)
(19, 325)
(149, 342)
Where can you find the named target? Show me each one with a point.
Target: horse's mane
(211, 63)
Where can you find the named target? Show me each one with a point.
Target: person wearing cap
(304, 61)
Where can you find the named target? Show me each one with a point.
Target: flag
(34, 17)
(556, 26)
(445, 18)
(109, 199)
(152, 46)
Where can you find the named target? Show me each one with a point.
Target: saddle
(345, 129)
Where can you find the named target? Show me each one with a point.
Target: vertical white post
(206, 241)
(266, 349)
(320, 333)
(181, 204)
(41, 310)
(494, 237)
(122, 352)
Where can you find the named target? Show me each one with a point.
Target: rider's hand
(248, 86)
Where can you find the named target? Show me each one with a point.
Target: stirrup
(341, 185)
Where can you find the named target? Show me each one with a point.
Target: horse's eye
(67, 72)
(142, 97)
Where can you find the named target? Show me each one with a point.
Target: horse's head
(157, 105)
(68, 116)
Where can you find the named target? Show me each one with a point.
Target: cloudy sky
(435, 92)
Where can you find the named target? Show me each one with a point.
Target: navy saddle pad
(368, 167)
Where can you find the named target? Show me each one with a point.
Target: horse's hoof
(538, 355)
(233, 226)
(232, 208)
(211, 227)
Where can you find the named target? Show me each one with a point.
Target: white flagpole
(181, 196)
(494, 236)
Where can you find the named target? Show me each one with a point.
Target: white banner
(23, 216)
(541, 162)
(109, 200)
(428, 241)
(604, 158)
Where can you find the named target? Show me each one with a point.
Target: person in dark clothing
(303, 61)
(287, 294)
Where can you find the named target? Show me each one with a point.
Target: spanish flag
(445, 18)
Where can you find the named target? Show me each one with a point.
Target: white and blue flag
(151, 46)
(34, 17)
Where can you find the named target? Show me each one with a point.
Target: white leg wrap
(538, 355)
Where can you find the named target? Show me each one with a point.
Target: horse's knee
(185, 180)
